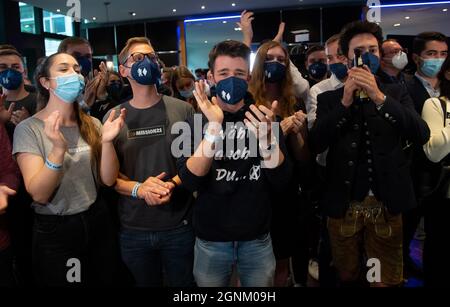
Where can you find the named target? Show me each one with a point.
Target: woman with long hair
(435, 112)
(271, 81)
(64, 156)
(183, 82)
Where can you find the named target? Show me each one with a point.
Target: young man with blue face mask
(156, 235)
(430, 50)
(232, 210)
(337, 64)
(316, 64)
(368, 184)
(11, 82)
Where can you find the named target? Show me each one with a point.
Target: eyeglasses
(139, 56)
(397, 51)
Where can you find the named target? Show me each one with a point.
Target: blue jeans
(148, 254)
(254, 260)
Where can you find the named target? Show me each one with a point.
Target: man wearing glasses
(393, 61)
(156, 234)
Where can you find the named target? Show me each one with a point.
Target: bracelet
(135, 190)
(212, 138)
(173, 181)
(53, 166)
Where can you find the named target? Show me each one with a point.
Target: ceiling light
(58, 10)
(409, 4)
(233, 4)
(224, 21)
(407, 17)
(396, 25)
(94, 18)
(445, 10)
(203, 7)
(174, 10)
(237, 29)
(206, 42)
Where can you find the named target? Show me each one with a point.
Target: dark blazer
(418, 93)
(349, 132)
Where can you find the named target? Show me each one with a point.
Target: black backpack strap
(444, 108)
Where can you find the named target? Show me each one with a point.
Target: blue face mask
(146, 72)
(231, 90)
(274, 71)
(11, 79)
(339, 70)
(372, 61)
(318, 70)
(188, 93)
(69, 88)
(431, 67)
(85, 65)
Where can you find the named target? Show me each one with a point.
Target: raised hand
(19, 115)
(246, 27)
(112, 125)
(5, 192)
(5, 114)
(364, 79)
(103, 76)
(52, 131)
(349, 91)
(279, 37)
(261, 122)
(287, 125)
(212, 111)
(299, 120)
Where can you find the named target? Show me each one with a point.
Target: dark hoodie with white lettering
(233, 198)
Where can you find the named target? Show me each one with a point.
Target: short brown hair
(130, 42)
(231, 48)
(333, 39)
(64, 45)
(5, 52)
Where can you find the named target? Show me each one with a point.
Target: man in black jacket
(232, 211)
(430, 49)
(368, 183)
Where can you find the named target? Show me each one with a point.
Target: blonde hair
(130, 42)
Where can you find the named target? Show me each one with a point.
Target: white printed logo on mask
(226, 96)
(5, 80)
(142, 72)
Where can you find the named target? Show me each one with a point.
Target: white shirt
(330, 84)
(434, 93)
(301, 85)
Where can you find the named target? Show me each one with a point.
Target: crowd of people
(156, 176)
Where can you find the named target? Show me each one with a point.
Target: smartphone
(361, 95)
(357, 60)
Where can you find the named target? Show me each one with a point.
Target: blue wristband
(53, 166)
(135, 190)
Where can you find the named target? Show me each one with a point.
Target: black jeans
(6, 268)
(87, 237)
(435, 259)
